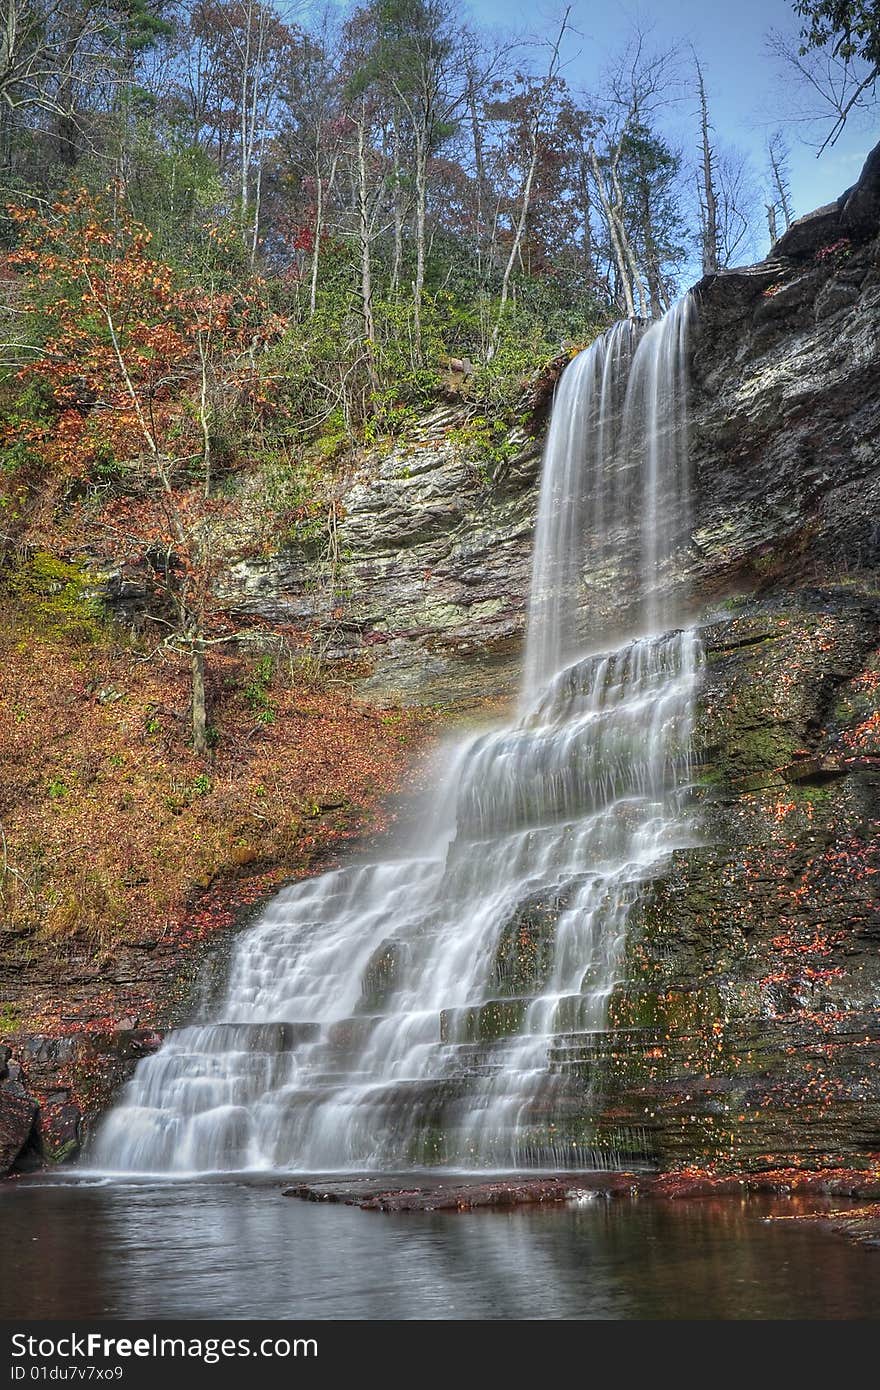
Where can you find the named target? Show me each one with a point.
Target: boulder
(18, 1113)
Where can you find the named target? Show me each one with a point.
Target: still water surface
(234, 1249)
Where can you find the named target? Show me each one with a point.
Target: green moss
(814, 794)
(500, 1018)
(57, 599)
(10, 1018)
(429, 1147)
(767, 746)
(524, 956)
(706, 775)
(667, 1012)
(382, 976)
(63, 1153)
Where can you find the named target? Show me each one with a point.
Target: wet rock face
(428, 589)
(18, 1113)
(747, 1032)
(382, 975)
(524, 956)
(53, 1090)
(786, 414)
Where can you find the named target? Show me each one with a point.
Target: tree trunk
(611, 223)
(397, 256)
(479, 173)
(518, 234)
(199, 702)
(623, 238)
(710, 201)
(204, 411)
(652, 259)
(421, 208)
(245, 141)
(316, 249)
(67, 133)
(585, 210)
(779, 182)
(319, 223)
(364, 237)
(258, 199)
(522, 220)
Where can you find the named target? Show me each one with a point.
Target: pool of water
(239, 1249)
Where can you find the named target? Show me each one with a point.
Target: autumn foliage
(125, 342)
(148, 768)
(134, 369)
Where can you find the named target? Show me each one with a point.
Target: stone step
(422, 1097)
(505, 1018)
(218, 1038)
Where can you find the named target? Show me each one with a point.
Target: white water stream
(403, 1012)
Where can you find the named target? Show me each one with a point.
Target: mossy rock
(499, 1018)
(382, 975)
(59, 599)
(668, 1011)
(524, 955)
(770, 681)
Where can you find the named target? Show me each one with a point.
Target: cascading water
(405, 1012)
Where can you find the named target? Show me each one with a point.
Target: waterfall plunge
(406, 1012)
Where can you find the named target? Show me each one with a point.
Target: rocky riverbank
(832, 1200)
(462, 1194)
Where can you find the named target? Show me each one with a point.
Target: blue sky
(742, 76)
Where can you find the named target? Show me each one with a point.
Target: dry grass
(112, 825)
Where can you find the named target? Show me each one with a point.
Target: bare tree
(833, 83)
(739, 202)
(48, 54)
(370, 197)
(422, 57)
(313, 132)
(541, 99)
(234, 58)
(777, 158)
(640, 84)
(709, 234)
(610, 201)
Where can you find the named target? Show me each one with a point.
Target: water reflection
(234, 1250)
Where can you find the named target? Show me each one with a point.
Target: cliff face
(433, 554)
(785, 407)
(434, 540)
(747, 1034)
(749, 1031)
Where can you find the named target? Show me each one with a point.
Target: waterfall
(407, 1012)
